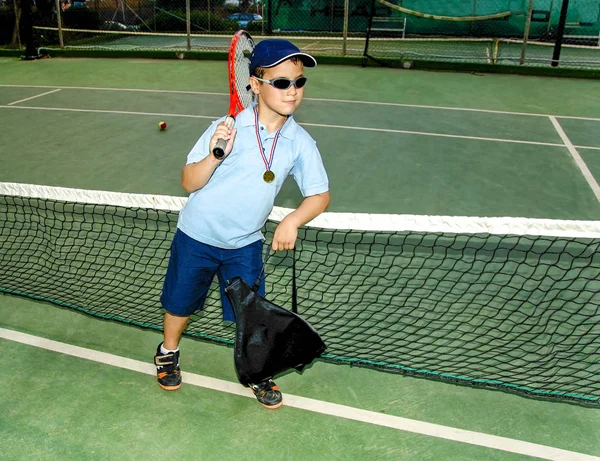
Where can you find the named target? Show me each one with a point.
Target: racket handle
(219, 149)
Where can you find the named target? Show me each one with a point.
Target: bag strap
(294, 287)
(294, 291)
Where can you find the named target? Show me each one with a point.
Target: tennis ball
(162, 126)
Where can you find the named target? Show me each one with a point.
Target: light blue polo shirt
(232, 208)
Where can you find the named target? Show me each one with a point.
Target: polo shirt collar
(246, 118)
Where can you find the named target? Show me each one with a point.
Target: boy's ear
(255, 85)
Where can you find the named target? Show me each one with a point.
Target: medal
(269, 176)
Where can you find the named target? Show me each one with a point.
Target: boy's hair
(260, 71)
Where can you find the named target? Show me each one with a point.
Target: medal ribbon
(269, 162)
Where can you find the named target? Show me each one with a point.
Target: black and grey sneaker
(168, 373)
(268, 394)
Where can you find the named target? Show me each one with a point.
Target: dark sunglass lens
(281, 83)
(301, 82)
(284, 83)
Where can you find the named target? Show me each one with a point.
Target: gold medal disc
(269, 176)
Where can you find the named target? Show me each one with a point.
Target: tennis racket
(240, 95)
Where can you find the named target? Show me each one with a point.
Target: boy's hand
(223, 132)
(285, 235)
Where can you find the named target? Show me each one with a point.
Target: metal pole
(16, 40)
(346, 8)
(188, 24)
(209, 15)
(59, 20)
(526, 32)
(560, 32)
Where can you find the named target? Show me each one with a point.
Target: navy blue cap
(270, 52)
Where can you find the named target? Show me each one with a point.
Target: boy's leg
(173, 328)
(192, 266)
(247, 263)
(168, 372)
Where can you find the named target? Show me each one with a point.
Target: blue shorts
(192, 268)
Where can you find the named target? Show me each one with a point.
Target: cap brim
(306, 59)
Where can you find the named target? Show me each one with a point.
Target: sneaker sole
(272, 407)
(170, 388)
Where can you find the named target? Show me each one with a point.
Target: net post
(559, 33)
(526, 32)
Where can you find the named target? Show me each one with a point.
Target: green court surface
(422, 143)
(393, 141)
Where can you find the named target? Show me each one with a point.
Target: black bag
(269, 339)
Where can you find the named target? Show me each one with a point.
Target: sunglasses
(284, 83)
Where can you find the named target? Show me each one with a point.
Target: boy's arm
(287, 230)
(195, 175)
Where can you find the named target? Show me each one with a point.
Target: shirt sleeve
(201, 148)
(308, 170)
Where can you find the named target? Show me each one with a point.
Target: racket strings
(243, 50)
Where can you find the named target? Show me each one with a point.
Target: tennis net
(504, 302)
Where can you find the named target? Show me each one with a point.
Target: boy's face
(284, 102)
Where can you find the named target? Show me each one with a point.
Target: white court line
(317, 406)
(102, 111)
(310, 45)
(425, 133)
(33, 97)
(357, 128)
(587, 174)
(465, 109)
(345, 101)
(141, 90)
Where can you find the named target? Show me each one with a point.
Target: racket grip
(221, 144)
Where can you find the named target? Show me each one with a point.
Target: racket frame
(235, 103)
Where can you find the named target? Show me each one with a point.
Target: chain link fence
(492, 31)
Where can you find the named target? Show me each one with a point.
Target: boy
(219, 229)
